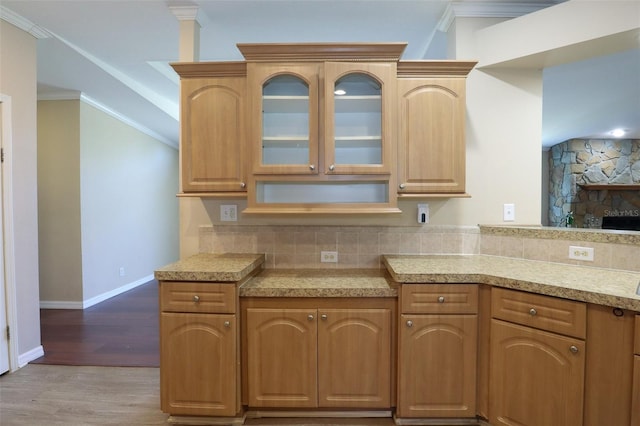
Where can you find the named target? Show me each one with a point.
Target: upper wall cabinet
(213, 127)
(323, 120)
(323, 128)
(431, 138)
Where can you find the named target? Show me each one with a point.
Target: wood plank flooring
(122, 331)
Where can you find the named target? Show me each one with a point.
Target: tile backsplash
(357, 247)
(361, 246)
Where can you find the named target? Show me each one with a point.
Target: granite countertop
(595, 285)
(228, 267)
(319, 283)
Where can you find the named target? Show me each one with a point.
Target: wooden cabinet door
(437, 355)
(354, 358)
(282, 360)
(198, 364)
(536, 378)
(431, 140)
(359, 128)
(283, 105)
(213, 140)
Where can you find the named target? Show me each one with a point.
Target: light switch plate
(509, 213)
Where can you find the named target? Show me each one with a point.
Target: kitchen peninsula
(344, 342)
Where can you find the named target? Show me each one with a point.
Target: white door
(4, 340)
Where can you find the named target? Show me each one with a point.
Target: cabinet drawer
(543, 312)
(197, 297)
(439, 298)
(637, 338)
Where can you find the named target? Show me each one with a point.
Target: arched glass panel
(285, 121)
(358, 120)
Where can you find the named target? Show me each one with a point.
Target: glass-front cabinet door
(359, 114)
(285, 112)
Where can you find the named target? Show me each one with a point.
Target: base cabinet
(307, 358)
(198, 358)
(199, 349)
(437, 358)
(635, 399)
(537, 353)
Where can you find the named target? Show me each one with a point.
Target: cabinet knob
(310, 317)
(409, 323)
(323, 317)
(243, 185)
(227, 324)
(441, 299)
(196, 298)
(332, 168)
(402, 186)
(573, 349)
(533, 312)
(312, 167)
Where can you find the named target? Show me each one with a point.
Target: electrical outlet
(329, 256)
(581, 253)
(229, 213)
(509, 212)
(122, 273)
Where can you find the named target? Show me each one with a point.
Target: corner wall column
(189, 48)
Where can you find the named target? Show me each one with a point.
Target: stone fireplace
(578, 167)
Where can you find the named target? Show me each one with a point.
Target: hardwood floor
(121, 331)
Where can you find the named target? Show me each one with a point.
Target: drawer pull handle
(409, 323)
(573, 349)
(227, 324)
(323, 317)
(196, 298)
(310, 317)
(533, 312)
(441, 299)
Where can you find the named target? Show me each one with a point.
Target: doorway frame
(8, 233)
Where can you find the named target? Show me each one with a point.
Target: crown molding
(60, 95)
(185, 13)
(23, 23)
(487, 9)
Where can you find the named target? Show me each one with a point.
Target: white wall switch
(229, 213)
(329, 256)
(581, 253)
(423, 213)
(509, 212)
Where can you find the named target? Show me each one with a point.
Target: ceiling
(115, 53)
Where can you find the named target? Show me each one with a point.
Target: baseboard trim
(62, 304)
(27, 357)
(256, 414)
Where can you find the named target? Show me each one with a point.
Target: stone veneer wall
(357, 246)
(580, 161)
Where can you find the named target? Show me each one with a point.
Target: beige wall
(107, 196)
(18, 80)
(59, 200)
(129, 208)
